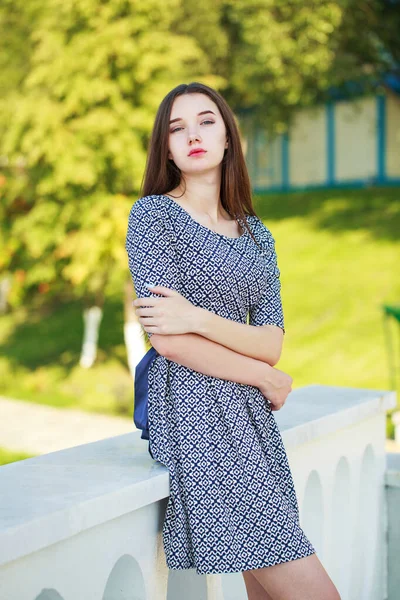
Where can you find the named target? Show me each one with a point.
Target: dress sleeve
(268, 309)
(151, 251)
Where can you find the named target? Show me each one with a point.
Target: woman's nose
(194, 136)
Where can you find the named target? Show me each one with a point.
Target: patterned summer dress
(232, 504)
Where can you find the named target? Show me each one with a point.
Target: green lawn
(39, 359)
(9, 456)
(339, 256)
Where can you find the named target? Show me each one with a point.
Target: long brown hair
(161, 173)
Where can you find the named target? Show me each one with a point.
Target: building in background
(346, 142)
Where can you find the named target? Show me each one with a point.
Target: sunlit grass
(9, 456)
(39, 359)
(339, 256)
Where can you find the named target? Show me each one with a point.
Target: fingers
(277, 405)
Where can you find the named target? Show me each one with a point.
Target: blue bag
(141, 387)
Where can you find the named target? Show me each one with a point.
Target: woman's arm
(210, 358)
(260, 342)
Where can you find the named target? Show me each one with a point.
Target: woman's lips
(198, 153)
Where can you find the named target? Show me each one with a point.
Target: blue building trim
(278, 163)
(285, 161)
(381, 138)
(349, 185)
(330, 144)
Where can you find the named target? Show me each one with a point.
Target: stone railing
(85, 523)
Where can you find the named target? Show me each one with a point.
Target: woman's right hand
(275, 386)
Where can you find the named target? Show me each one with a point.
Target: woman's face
(191, 130)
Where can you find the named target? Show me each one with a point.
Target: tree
(284, 55)
(81, 121)
(280, 55)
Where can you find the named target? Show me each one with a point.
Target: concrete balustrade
(392, 486)
(85, 523)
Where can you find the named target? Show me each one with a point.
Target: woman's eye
(177, 128)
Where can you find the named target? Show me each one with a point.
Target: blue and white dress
(232, 504)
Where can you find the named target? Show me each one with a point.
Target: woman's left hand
(172, 314)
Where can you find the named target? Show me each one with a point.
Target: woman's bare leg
(254, 589)
(300, 579)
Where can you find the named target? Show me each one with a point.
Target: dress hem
(245, 568)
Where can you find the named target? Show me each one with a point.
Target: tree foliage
(81, 81)
(80, 124)
(285, 54)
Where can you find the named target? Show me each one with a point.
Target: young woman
(202, 264)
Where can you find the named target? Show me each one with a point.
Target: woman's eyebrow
(203, 112)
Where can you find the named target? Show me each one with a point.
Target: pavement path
(392, 446)
(39, 429)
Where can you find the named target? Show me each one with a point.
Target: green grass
(9, 456)
(39, 359)
(339, 256)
